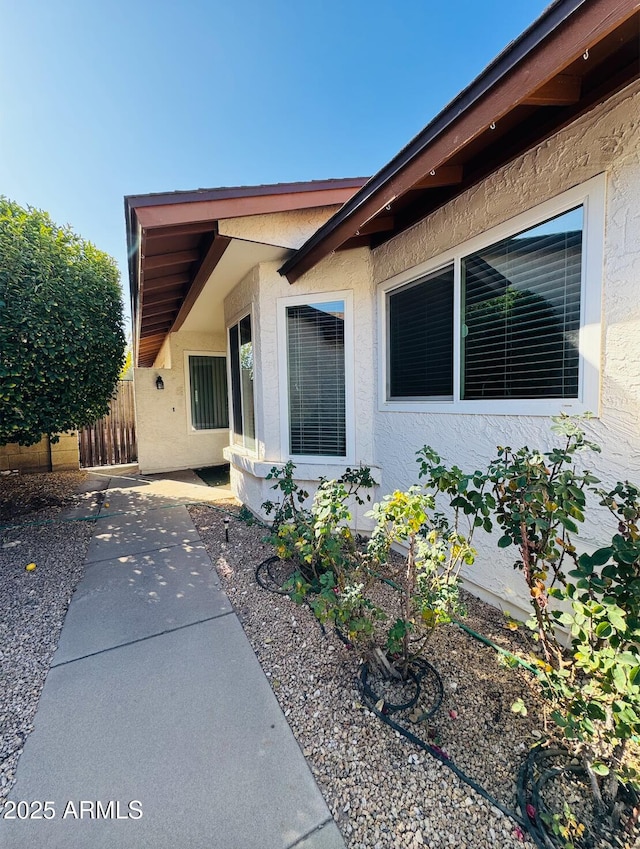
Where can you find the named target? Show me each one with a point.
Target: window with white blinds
(420, 319)
(316, 378)
(508, 322)
(208, 392)
(521, 313)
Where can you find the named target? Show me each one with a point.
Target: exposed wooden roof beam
(562, 90)
(175, 258)
(163, 295)
(155, 329)
(153, 284)
(212, 258)
(446, 175)
(152, 344)
(157, 321)
(166, 309)
(377, 225)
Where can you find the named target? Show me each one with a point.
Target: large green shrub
(61, 335)
(591, 681)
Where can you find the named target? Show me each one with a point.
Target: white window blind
(208, 386)
(421, 338)
(316, 379)
(521, 313)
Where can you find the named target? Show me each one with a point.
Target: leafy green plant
(328, 572)
(343, 601)
(61, 332)
(565, 826)
(437, 547)
(292, 498)
(540, 499)
(316, 538)
(597, 688)
(592, 685)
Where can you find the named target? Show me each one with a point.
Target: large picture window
(503, 324)
(521, 313)
(316, 375)
(242, 374)
(208, 392)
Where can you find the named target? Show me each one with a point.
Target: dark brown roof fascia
(228, 192)
(553, 17)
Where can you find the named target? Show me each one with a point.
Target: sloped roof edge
(522, 47)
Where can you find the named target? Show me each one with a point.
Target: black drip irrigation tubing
(435, 751)
(535, 774)
(388, 709)
(527, 786)
(270, 583)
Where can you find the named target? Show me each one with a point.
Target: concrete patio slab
(185, 724)
(134, 533)
(136, 596)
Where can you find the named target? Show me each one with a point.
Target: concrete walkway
(155, 706)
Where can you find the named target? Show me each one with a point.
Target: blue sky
(105, 98)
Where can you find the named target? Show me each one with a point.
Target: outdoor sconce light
(159, 382)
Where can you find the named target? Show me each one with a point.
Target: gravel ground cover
(33, 603)
(382, 790)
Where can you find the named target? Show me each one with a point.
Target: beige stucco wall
(44, 456)
(288, 229)
(261, 292)
(166, 441)
(604, 141)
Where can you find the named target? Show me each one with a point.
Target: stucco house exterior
(483, 280)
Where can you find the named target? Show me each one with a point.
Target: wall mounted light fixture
(159, 382)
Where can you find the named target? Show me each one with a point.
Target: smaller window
(208, 390)
(316, 379)
(242, 375)
(421, 338)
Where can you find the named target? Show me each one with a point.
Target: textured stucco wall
(260, 291)
(288, 229)
(606, 140)
(166, 441)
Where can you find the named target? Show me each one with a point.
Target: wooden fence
(112, 440)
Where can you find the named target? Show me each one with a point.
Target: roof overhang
(175, 249)
(577, 54)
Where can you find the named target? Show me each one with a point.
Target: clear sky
(103, 98)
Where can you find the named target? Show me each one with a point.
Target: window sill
(304, 471)
(521, 407)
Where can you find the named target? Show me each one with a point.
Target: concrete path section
(156, 726)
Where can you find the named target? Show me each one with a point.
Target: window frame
(237, 446)
(591, 196)
(349, 376)
(187, 382)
